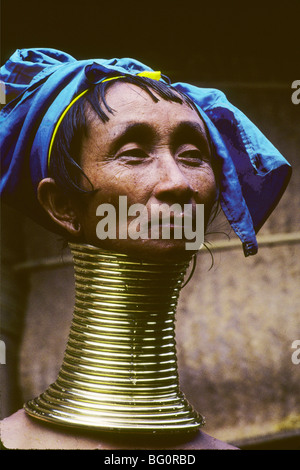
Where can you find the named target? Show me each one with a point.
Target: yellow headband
(153, 75)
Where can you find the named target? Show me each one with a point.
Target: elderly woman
(92, 144)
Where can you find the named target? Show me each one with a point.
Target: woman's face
(153, 153)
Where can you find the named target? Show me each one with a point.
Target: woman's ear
(59, 206)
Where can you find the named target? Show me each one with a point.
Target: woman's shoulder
(20, 431)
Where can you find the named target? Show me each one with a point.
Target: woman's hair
(65, 166)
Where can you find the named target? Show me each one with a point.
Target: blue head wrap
(41, 83)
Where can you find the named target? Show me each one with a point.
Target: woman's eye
(133, 156)
(192, 157)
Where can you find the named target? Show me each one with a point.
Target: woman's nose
(173, 185)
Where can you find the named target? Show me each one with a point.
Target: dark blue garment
(41, 83)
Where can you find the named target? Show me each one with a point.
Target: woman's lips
(174, 224)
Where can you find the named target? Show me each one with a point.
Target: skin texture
(151, 152)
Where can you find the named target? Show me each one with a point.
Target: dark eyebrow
(137, 132)
(190, 131)
(144, 134)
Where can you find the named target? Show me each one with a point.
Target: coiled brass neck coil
(119, 371)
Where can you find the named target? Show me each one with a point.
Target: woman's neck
(119, 371)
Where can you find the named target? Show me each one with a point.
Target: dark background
(202, 41)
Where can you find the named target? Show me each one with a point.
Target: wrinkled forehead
(131, 104)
